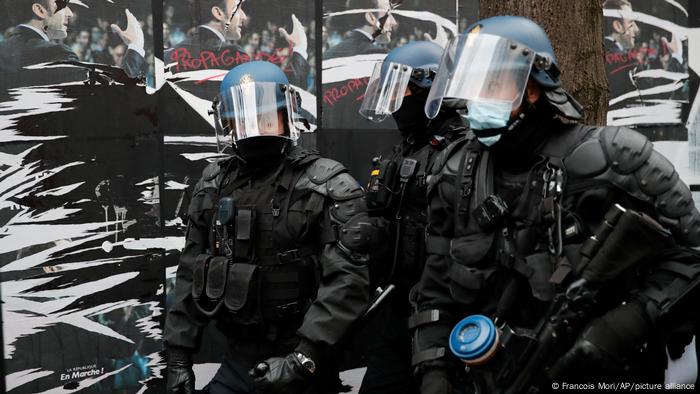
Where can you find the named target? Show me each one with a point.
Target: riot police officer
(564, 244)
(275, 252)
(399, 88)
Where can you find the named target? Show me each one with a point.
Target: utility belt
(271, 289)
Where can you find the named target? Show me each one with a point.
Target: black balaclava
(520, 146)
(410, 118)
(262, 150)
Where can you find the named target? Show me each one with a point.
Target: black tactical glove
(180, 374)
(435, 381)
(605, 345)
(282, 375)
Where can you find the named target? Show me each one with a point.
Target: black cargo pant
(389, 355)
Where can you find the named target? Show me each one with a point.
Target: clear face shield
(256, 109)
(481, 68)
(385, 94)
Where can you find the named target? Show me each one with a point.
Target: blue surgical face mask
(488, 141)
(486, 115)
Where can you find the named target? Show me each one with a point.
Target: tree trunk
(576, 31)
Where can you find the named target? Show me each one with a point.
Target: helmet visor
(385, 91)
(481, 67)
(254, 109)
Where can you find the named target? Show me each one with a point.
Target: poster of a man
(372, 32)
(45, 31)
(209, 37)
(647, 64)
(359, 33)
(226, 33)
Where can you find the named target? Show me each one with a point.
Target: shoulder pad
(342, 211)
(211, 171)
(300, 156)
(625, 149)
(689, 228)
(447, 162)
(656, 175)
(322, 169)
(344, 187)
(567, 138)
(646, 174)
(677, 210)
(448, 154)
(675, 202)
(587, 159)
(210, 174)
(452, 165)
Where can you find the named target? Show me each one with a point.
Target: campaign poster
(81, 245)
(102, 41)
(646, 59)
(203, 40)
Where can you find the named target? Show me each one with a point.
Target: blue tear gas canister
(474, 339)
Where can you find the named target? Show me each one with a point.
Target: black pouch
(207, 305)
(381, 183)
(199, 275)
(216, 277)
(490, 213)
(470, 249)
(542, 267)
(245, 231)
(242, 297)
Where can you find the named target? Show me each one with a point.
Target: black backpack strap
(475, 180)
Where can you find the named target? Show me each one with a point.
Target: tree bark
(575, 28)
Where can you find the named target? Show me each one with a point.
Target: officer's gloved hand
(435, 381)
(281, 375)
(180, 374)
(605, 345)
